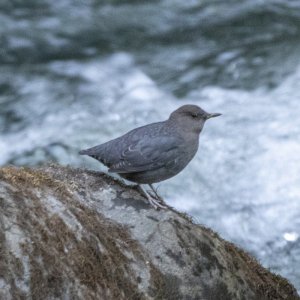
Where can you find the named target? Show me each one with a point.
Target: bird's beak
(212, 115)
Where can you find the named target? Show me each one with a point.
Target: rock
(76, 234)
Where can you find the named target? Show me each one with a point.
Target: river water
(77, 73)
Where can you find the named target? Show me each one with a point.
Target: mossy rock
(76, 234)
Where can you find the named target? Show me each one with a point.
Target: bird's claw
(155, 203)
(156, 197)
(155, 200)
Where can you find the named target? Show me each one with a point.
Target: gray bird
(154, 152)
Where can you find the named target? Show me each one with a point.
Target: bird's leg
(159, 198)
(151, 200)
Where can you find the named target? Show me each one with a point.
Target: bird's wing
(147, 154)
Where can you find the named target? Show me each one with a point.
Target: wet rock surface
(77, 234)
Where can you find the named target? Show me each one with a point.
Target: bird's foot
(156, 203)
(156, 197)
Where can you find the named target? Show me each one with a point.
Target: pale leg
(159, 198)
(151, 200)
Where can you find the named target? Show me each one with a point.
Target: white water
(245, 179)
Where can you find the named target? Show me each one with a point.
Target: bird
(154, 152)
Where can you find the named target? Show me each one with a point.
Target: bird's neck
(187, 132)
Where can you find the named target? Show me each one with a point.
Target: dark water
(76, 73)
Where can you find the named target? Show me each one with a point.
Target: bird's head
(191, 117)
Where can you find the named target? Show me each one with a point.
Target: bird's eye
(195, 116)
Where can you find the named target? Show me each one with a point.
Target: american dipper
(154, 152)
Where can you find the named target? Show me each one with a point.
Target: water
(77, 73)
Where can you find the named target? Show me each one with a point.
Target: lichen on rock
(76, 234)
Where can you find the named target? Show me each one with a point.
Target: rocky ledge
(76, 234)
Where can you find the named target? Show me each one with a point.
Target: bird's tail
(93, 152)
(83, 152)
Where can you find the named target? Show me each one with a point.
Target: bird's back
(112, 152)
